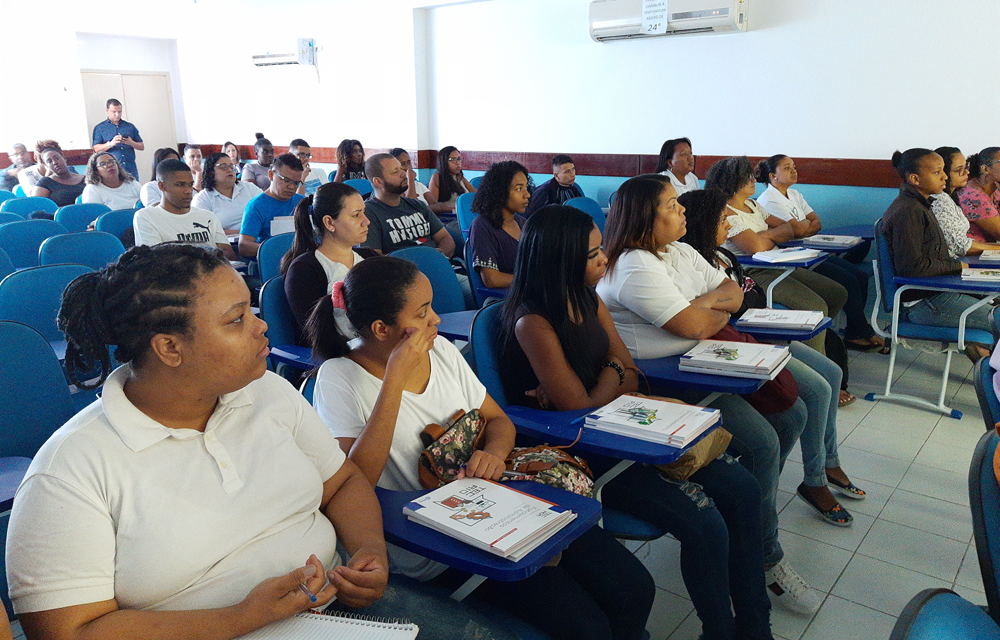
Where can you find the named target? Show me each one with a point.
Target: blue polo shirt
(261, 210)
(106, 132)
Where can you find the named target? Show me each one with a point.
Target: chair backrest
(475, 279)
(330, 176)
(942, 614)
(884, 269)
(484, 340)
(270, 254)
(6, 195)
(9, 216)
(984, 500)
(308, 388)
(33, 296)
(363, 185)
(6, 267)
(988, 402)
(24, 206)
(34, 395)
(274, 310)
(116, 222)
(476, 181)
(21, 240)
(77, 217)
(95, 249)
(591, 207)
(19, 192)
(611, 198)
(463, 209)
(4, 596)
(448, 296)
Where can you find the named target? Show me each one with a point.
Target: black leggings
(598, 591)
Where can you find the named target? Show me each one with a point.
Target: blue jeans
(944, 309)
(819, 386)
(762, 444)
(714, 515)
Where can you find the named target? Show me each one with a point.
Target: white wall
(853, 79)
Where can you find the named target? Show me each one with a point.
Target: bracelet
(617, 367)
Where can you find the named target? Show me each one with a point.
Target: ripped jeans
(716, 516)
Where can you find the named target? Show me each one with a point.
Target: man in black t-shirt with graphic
(398, 222)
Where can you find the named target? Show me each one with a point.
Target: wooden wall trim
(832, 171)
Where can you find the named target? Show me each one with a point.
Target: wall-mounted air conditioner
(622, 19)
(305, 53)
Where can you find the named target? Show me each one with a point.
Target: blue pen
(305, 590)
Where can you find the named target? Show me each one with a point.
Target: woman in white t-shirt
(377, 393)
(200, 493)
(336, 215)
(786, 205)
(677, 163)
(150, 194)
(750, 232)
(109, 184)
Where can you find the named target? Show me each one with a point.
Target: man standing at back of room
(559, 189)
(119, 138)
(279, 200)
(398, 222)
(173, 219)
(311, 178)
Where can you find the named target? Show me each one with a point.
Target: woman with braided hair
(200, 496)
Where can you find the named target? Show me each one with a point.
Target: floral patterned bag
(551, 466)
(447, 449)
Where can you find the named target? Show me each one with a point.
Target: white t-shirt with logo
(784, 207)
(155, 225)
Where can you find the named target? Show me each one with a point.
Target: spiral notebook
(335, 626)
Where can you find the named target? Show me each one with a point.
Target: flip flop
(843, 402)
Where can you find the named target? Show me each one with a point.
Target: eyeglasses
(294, 183)
(107, 164)
(459, 159)
(225, 167)
(303, 156)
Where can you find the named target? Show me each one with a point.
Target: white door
(146, 103)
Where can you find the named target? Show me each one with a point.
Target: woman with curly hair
(350, 161)
(448, 182)
(222, 193)
(500, 202)
(108, 183)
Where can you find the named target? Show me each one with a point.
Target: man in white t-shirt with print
(173, 219)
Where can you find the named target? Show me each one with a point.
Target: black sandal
(838, 516)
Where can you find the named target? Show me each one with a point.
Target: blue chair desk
(294, 356)
(952, 284)
(665, 373)
(486, 292)
(400, 531)
(456, 325)
(749, 263)
(801, 242)
(863, 231)
(784, 335)
(12, 471)
(976, 262)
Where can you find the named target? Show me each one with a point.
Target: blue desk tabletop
(294, 356)
(748, 261)
(457, 325)
(866, 231)
(486, 292)
(977, 263)
(445, 549)
(951, 283)
(664, 372)
(770, 333)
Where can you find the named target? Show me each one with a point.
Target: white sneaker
(790, 590)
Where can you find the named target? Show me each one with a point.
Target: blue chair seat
(21, 240)
(77, 217)
(448, 297)
(24, 206)
(6, 195)
(95, 249)
(989, 404)
(270, 254)
(463, 209)
(590, 207)
(627, 527)
(942, 614)
(116, 222)
(915, 331)
(363, 186)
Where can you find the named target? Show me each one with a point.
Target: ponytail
(305, 234)
(977, 160)
(323, 334)
(908, 162)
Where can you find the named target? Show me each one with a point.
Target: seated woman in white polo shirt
(222, 193)
(109, 184)
(200, 491)
(677, 163)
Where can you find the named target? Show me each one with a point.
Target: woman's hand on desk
(361, 581)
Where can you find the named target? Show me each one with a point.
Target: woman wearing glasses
(108, 183)
(222, 193)
(953, 222)
(448, 182)
(978, 197)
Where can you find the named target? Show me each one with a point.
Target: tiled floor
(913, 532)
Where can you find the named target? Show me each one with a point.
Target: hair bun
(897, 157)
(258, 135)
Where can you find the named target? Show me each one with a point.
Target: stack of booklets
(788, 254)
(738, 359)
(981, 275)
(489, 516)
(335, 626)
(990, 255)
(780, 319)
(834, 242)
(668, 423)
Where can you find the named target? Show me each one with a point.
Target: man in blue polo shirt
(119, 138)
(280, 199)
